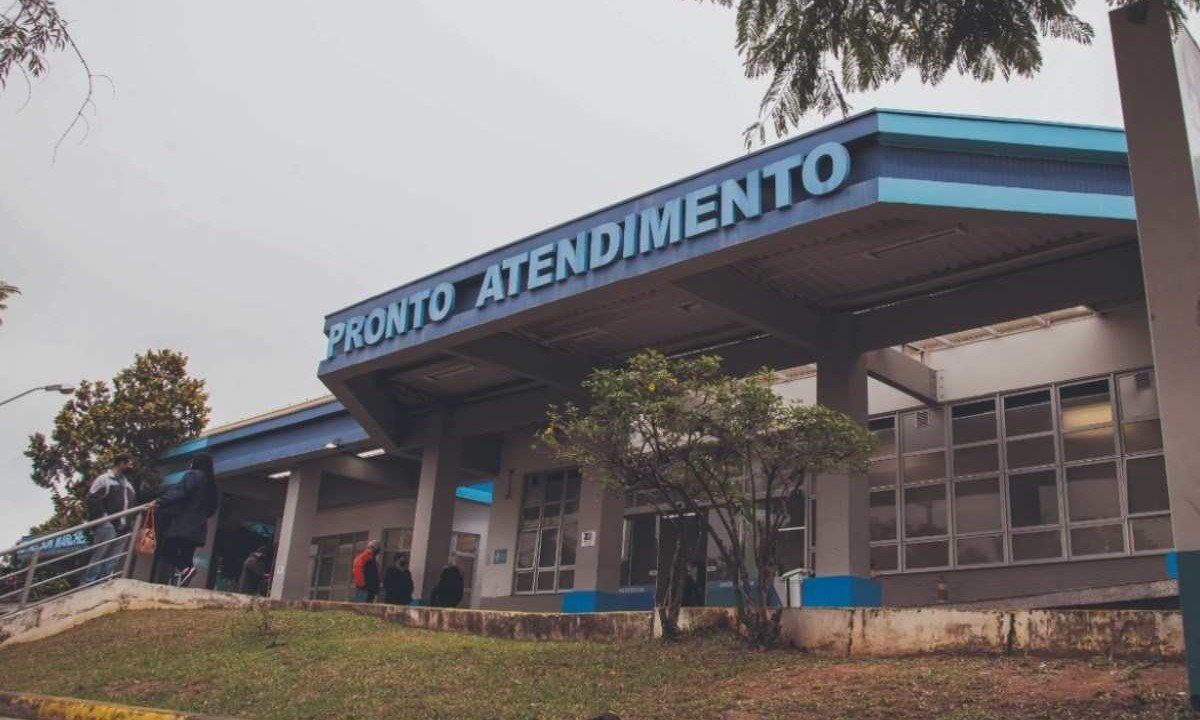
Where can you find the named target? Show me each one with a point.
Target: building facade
(968, 288)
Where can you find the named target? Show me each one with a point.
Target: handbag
(146, 541)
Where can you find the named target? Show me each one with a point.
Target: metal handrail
(75, 528)
(120, 562)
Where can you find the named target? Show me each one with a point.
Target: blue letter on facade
(661, 225)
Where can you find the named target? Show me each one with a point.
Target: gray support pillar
(292, 562)
(843, 544)
(598, 566)
(434, 516)
(1159, 78)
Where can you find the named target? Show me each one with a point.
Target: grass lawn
(331, 665)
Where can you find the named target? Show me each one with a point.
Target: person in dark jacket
(398, 582)
(366, 574)
(449, 589)
(183, 512)
(253, 572)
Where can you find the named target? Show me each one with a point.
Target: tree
(29, 30)
(148, 407)
(7, 291)
(815, 51)
(730, 451)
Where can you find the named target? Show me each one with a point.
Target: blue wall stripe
(1010, 199)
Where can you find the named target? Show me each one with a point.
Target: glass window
(1099, 540)
(884, 558)
(570, 538)
(883, 515)
(885, 432)
(1027, 413)
(1146, 479)
(974, 422)
(526, 543)
(1140, 426)
(929, 466)
(1033, 499)
(1152, 533)
(1139, 401)
(925, 511)
(977, 505)
(566, 579)
(1087, 444)
(1085, 405)
(926, 555)
(980, 550)
(1092, 492)
(976, 459)
(548, 530)
(1037, 545)
(1031, 452)
(1142, 436)
(548, 548)
(924, 430)
(882, 473)
(790, 551)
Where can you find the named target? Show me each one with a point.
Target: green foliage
(815, 51)
(147, 408)
(7, 291)
(730, 450)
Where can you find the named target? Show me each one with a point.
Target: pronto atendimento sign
(768, 188)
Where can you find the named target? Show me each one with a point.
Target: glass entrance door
(332, 577)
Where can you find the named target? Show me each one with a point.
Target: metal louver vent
(922, 418)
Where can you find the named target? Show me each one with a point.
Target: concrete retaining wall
(495, 623)
(79, 607)
(881, 632)
(866, 632)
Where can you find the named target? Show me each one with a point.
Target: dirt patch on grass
(957, 687)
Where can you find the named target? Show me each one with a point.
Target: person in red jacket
(366, 574)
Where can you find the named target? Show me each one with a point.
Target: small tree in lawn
(730, 451)
(149, 407)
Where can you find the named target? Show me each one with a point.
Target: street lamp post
(64, 389)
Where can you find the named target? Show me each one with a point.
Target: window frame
(568, 474)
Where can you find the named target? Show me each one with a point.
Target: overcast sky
(262, 164)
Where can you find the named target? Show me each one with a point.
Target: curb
(27, 706)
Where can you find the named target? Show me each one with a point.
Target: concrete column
(598, 566)
(843, 544)
(293, 566)
(434, 515)
(1159, 77)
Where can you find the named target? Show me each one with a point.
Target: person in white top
(109, 493)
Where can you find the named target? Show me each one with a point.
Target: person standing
(398, 582)
(366, 574)
(183, 512)
(253, 572)
(111, 492)
(449, 589)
